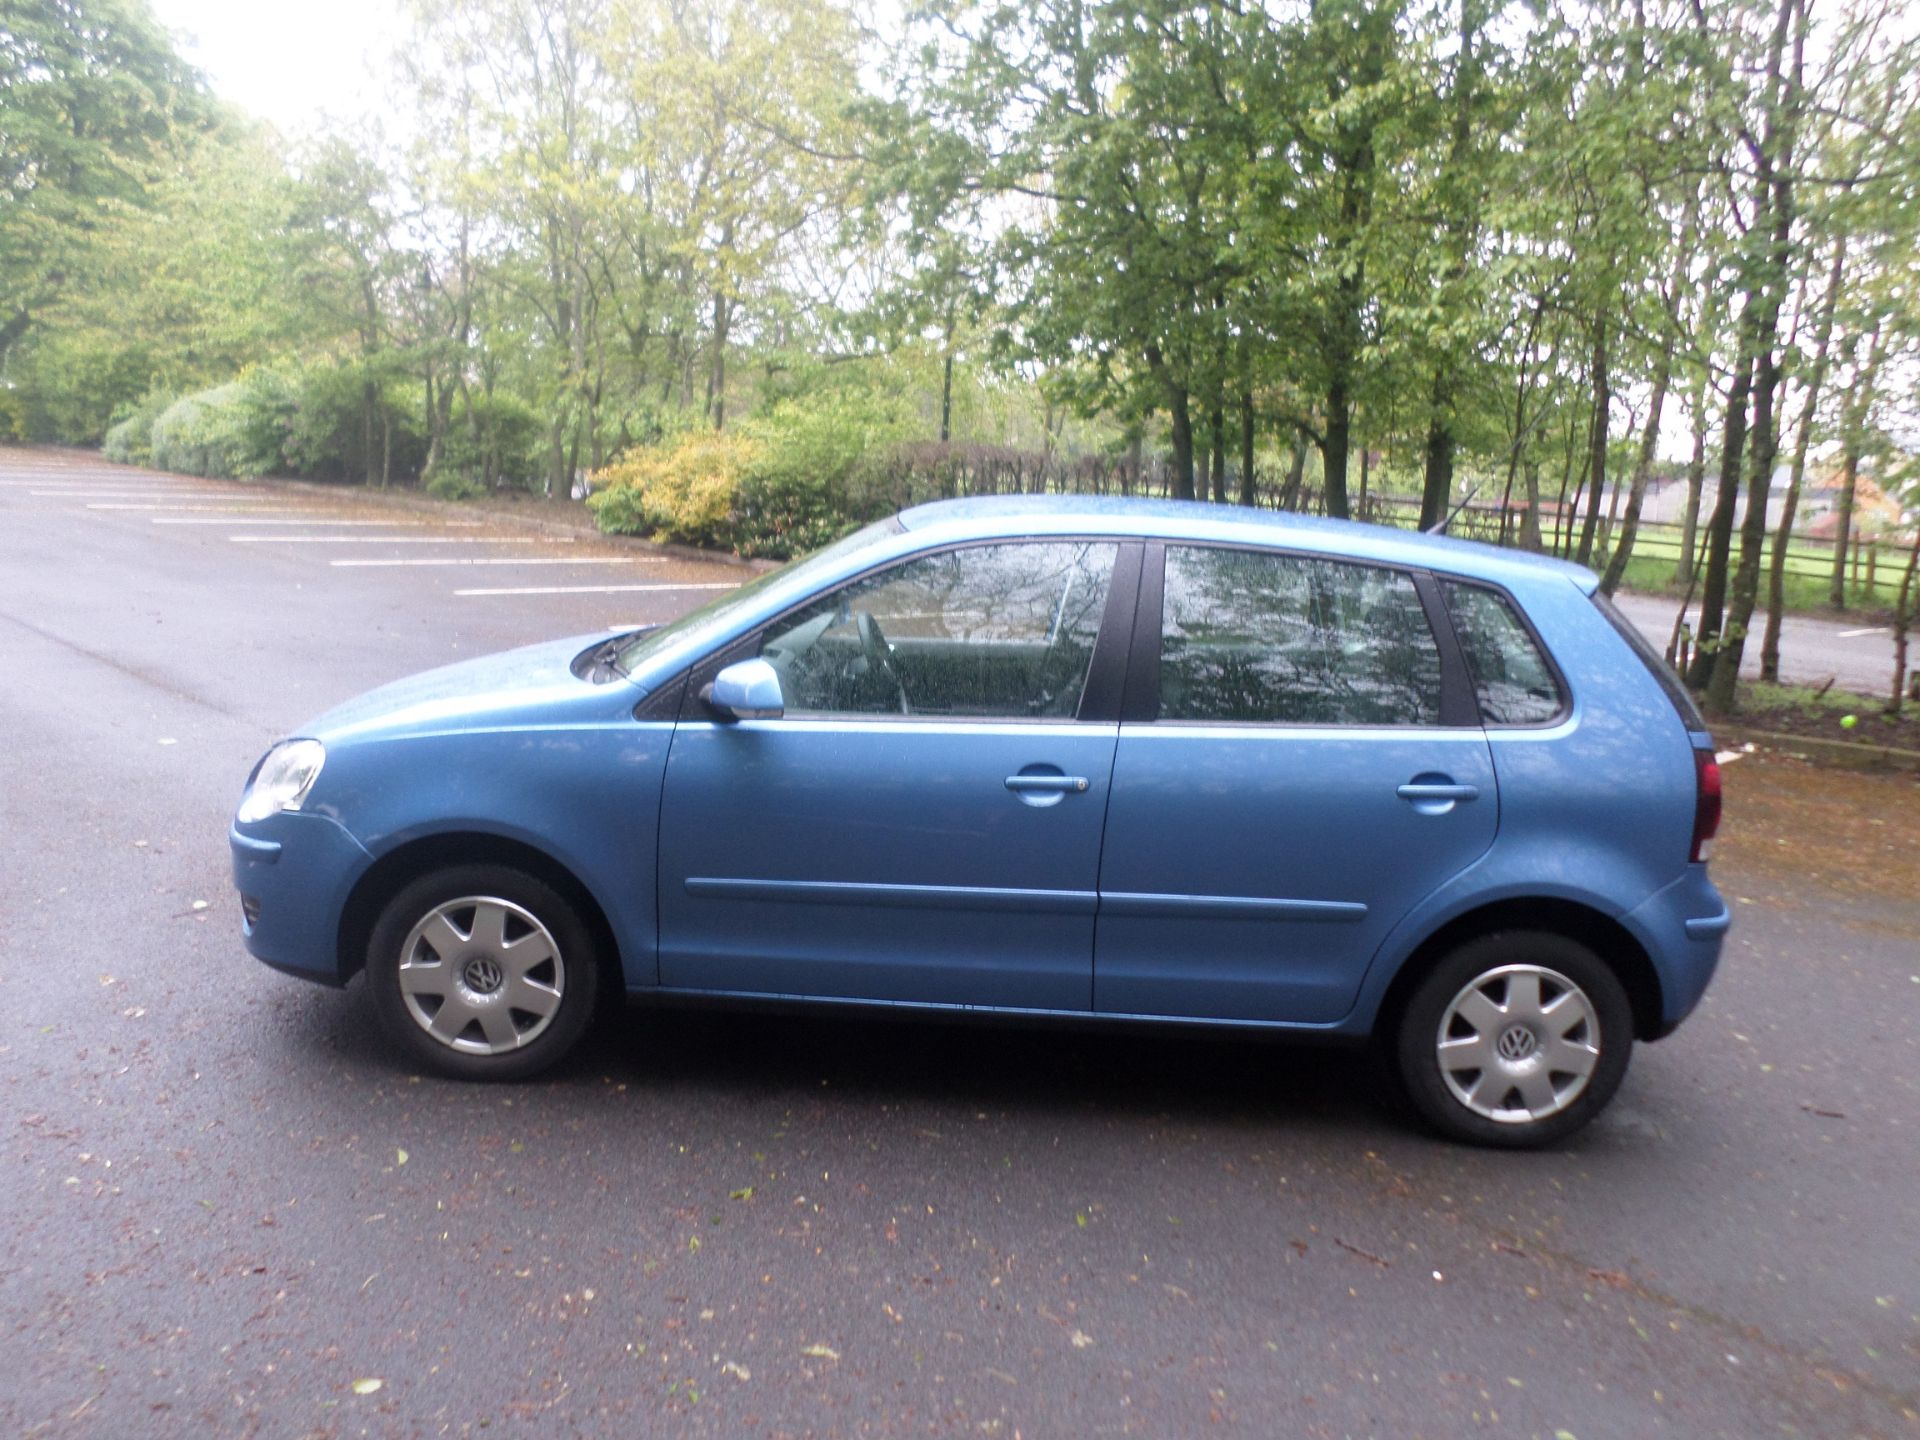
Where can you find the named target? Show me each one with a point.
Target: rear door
(1301, 762)
(923, 823)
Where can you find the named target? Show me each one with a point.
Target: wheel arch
(405, 863)
(1605, 936)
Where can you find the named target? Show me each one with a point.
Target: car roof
(987, 516)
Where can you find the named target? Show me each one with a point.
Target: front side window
(988, 631)
(1512, 680)
(1250, 636)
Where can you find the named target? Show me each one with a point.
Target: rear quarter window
(1513, 681)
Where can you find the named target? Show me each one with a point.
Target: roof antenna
(1439, 527)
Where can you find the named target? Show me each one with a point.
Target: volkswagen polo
(1091, 759)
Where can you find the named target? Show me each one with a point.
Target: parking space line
(213, 507)
(1870, 630)
(595, 589)
(397, 540)
(244, 520)
(506, 560)
(89, 493)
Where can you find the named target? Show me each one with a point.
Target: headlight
(283, 779)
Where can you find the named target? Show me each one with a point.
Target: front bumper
(1683, 927)
(294, 873)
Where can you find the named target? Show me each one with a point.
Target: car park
(1085, 759)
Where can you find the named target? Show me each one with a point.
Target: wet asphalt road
(227, 1201)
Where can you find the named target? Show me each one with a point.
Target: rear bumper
(294, 873)
(1683, 928)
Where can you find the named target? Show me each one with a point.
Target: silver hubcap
(1518, 1044)
(481, 975)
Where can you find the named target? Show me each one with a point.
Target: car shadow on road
(750, 1056)
(980, 1064)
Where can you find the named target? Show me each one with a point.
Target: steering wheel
(879, 655)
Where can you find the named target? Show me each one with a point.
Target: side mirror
(747, 690)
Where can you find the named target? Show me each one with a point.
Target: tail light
(1706, 804)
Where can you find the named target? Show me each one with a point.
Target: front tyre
(1516, 1039)
(482, 972)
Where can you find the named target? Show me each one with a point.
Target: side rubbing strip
(911, 897)
(1232, 907)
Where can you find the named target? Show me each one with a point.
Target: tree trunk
(1713, 594)
(1182, 417)
(717, 371)
(1437, 490)
(1246, 446)
(946, 399)
(1902, 624)
(1852, 442)
(1766, 297)
(1642, 468)
(1683, 569)
(1333, 449)
(1296, 474)
(1219, 423)
(1597, 433)
(1530, 517)
(1777, 563)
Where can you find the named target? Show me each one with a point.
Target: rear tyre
(482, 972)
(1516, 1040)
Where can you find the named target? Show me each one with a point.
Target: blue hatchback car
(1042, 756)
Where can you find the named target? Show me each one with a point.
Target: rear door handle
(1046, 784)
(1428, 790)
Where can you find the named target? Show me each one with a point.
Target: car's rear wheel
(482, 972)
(1515, 1039)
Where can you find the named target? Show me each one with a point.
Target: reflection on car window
(1247, 636)
(989, 630)
(1511, 678)
(713, 619)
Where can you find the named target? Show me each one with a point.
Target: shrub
(777, 485)
(13, 414)
(208, 433)
(337, 430)
(685, 489)
(129, 440)
(493, 440)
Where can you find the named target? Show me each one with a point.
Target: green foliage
(805, 487)
(13, 414)
(777, 485)
(351, 421)
(492, 441)
(211, 433)
(684, 489)
(129, 440)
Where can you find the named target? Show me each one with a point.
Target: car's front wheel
(482, 972)
(1515, 1039)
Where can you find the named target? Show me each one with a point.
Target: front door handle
(1428, 790)
(1046, 784)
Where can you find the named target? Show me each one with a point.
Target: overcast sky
(290, 64)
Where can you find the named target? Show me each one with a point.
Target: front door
(1285, 793)
(923, 822)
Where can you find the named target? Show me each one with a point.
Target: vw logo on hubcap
(481, 975)
(1516, 1043)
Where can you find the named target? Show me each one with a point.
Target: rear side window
(1655, 662)
(1251, 636)
(1512, 680)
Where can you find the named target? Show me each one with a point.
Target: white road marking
(88, 492)
(1870, 630)
(595, 589)
(213, 508)
(243, 520)
(507, 560)
(396, 540)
